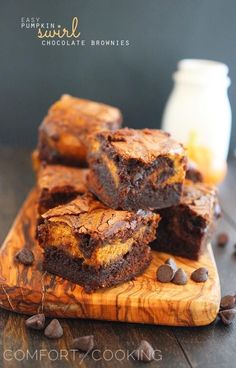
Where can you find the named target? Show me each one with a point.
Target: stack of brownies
(105, 194)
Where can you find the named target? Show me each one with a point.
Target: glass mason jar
(198, 114)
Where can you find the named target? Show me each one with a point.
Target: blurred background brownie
(95, 246)
(35, 160)
(65, 131)
(131, 169)
(193, 173)
(59, 184)
(185, 229)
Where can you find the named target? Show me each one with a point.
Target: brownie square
(59, 184)
(95, 246)
(65, 132)
(185, 229)
(132, 169)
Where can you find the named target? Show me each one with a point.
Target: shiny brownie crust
(94, 245)
(58, 185)
(185, 230)
(102, 224)
(66, 131)
(123, 269)
(143, 169)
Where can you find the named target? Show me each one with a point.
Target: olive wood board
(30, 290)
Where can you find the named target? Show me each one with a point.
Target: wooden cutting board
(30, 290)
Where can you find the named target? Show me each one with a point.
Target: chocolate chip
(144, 352)
(227, 302)
(25, 256)
(222, 239)
(165, 273)
(84, 343)
(53, 330)
(180, 277)
(227, 316)
(36, 322)
(200, 275)
(172, 264)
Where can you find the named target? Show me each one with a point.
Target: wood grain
(184, 347)
(30, 290)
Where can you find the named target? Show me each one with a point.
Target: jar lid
(202, 72)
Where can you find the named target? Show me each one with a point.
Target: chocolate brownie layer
(131, 169)
(59, 184)
(97, 236)
(67, 129)
(91, 278)
(193, 173)
(185, 229)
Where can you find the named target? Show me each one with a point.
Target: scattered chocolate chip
(84, 343)
(200, 275)
(36, 322)
(144, 352)
(227, 316)
(25, 256)
(227, 302)
(172, 264)
(165, 273)
(53, 330)
(180, 277)
(222, 239)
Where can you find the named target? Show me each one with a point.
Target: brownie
(68, 127)
(185, 229)
(193, 173)
(95, 246)
(36, 163)
(132, 169)
(59, 184)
